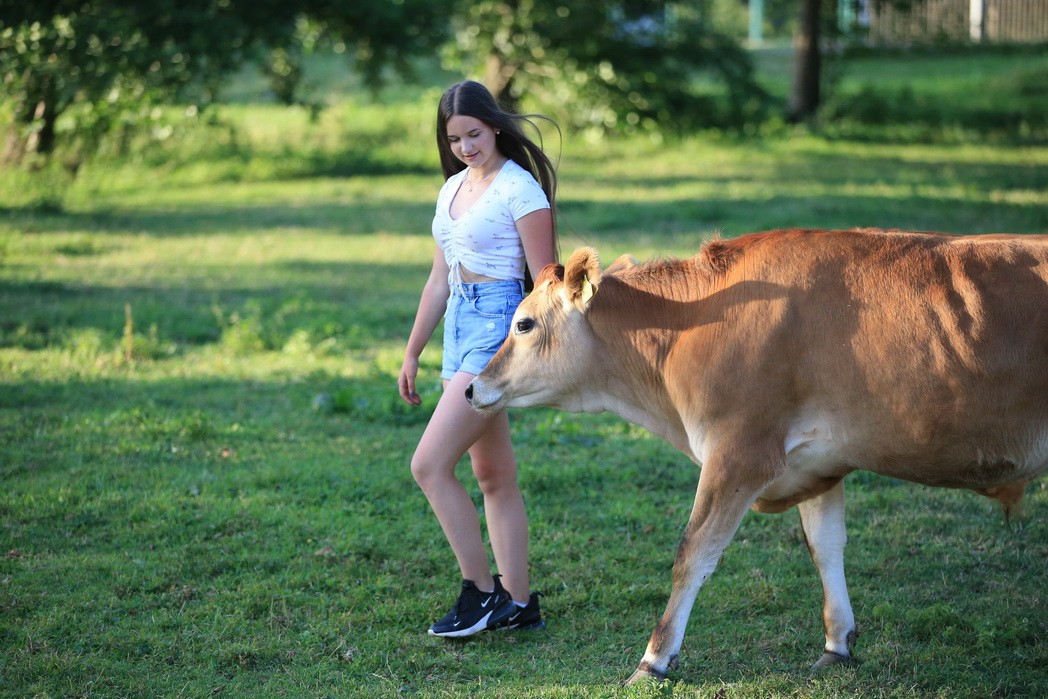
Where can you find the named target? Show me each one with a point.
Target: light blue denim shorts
(477, 323)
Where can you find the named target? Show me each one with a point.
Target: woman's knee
(495, 477)
(427, 471)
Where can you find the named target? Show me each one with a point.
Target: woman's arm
(431, 308)
(536, 233)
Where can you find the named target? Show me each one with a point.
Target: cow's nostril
(469, 392)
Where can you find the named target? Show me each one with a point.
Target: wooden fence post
(977, 20)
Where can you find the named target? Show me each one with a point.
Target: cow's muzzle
(481, 397)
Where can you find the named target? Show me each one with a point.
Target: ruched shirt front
(484, 239)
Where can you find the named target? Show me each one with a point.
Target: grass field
(203, 460)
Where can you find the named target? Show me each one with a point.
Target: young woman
(494, 221)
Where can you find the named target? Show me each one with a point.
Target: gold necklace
(494, 172)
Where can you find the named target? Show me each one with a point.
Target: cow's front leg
(822, 519)
(727, 488)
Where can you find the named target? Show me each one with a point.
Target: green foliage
(103, 67)
(621, 67)
(48, 66)
(243, 334)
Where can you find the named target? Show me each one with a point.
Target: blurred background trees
(629, 65)
(83, 73)
(104, 65)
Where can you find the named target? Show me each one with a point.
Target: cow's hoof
(830, 658)
(645, 676)
(647, 671)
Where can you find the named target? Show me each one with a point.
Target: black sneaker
(527, 618)
(475, 611)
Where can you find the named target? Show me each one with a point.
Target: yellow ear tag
(587, 290)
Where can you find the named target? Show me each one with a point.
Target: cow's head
(550, 348)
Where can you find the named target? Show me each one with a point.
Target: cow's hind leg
(822, 519)
(727, 489)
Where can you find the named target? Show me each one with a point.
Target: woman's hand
(406, 382)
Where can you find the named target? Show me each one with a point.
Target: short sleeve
(526, 195)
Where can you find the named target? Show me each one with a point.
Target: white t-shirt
(485, 239)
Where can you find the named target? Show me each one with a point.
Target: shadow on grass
(598, 220)
(357, 303)
(831, 170)
(834, 173)
(364, 303)
(53, 427)
(353, 218)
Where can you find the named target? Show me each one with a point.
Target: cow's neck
(637, 327)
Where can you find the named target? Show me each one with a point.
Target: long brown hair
(469, 98)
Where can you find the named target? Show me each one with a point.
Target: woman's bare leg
(495, 468)
(452, 430)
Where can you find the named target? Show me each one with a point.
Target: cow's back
(920, 356)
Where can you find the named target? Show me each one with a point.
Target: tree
(630, 64)
(805, 93)
(110, 60)
(815, 18)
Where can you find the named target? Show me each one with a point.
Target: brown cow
(783, 361)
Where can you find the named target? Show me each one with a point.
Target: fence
(991, 21)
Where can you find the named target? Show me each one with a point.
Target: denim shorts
(477, 323)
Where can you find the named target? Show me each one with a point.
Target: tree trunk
(14, 146)
(16, 139)
(37, 104)
(499, 79)
(804, 95)
(47, 115)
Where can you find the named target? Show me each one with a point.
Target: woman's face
(472, 141)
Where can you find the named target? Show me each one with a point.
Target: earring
(498, 131)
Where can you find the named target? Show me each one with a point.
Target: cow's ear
(622, 264)
(582, 276)
(551, 272)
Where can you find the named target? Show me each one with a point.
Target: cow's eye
(525, 325)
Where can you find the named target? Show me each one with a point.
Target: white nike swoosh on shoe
(484, 604)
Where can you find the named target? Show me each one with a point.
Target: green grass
(926, 95)
(181, 516)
